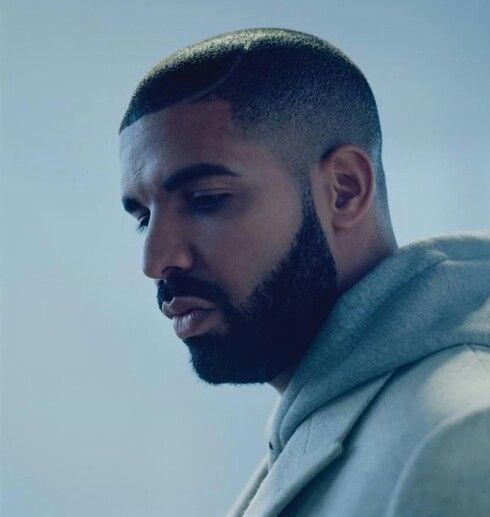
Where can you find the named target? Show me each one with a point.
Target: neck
(384, 247)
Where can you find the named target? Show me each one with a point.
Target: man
(252, 161)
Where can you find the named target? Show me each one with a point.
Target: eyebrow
(180, 178)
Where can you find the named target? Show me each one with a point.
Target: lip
(183, 304)
(190, 323)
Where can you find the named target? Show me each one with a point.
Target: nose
(165, 248)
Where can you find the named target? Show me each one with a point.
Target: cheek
(238, 254)
(234, 253)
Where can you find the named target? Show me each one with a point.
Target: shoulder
(425, 405)
(448, 472)
(438, 386)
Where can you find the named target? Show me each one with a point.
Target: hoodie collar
(315, 444)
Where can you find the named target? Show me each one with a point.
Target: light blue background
(102, 414)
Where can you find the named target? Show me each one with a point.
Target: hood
(427, 296)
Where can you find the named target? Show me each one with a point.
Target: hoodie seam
(307, 441)
(471, 346)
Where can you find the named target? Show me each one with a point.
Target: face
(255, 252)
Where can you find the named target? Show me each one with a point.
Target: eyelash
(215, 199)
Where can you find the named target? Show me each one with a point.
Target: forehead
(170, 138)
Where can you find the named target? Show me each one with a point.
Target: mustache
(181, 285)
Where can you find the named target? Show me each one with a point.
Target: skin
(253, 335)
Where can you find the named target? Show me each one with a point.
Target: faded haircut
(293, 92)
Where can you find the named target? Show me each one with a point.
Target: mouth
(184, 304)
(191, 323)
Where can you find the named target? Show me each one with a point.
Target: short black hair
(294, 92)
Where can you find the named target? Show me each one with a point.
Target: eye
(208, 203)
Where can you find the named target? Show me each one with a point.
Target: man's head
(283, 130)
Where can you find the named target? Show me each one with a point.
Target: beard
(273, 329)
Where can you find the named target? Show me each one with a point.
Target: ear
(348, 173)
